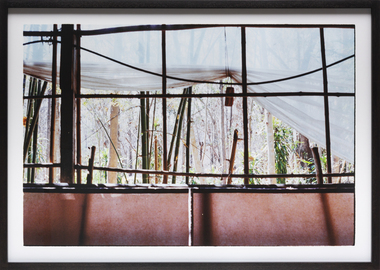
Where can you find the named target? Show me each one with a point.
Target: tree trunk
(335, 169)
(270, 144)
(194, 151)
(303, 149)
(114, 123)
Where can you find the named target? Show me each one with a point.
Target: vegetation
(140, 137)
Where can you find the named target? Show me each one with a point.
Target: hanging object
(229, 100)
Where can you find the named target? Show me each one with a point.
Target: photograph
(195, 135)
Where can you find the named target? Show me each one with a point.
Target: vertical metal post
(188, 135)
(67, 105)
(326, 103)
(53, 104)
(78, 100)
(245, 105)
(164, 157)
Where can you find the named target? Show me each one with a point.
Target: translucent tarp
(214, 53)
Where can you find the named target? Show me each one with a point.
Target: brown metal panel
(273, 219)
(52, 219)
(137, 219)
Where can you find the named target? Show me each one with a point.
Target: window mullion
(326, 103)
(245, 106)
(164, 157)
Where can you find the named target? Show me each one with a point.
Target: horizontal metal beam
(148, 188)
(176, 27)
(42, 165)
(215, 175)
(272, 94)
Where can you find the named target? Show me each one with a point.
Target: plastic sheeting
(215, 53)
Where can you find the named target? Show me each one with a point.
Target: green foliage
(283, 144)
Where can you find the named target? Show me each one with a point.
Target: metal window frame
(76, 96)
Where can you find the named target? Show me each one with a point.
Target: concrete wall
(256, 219)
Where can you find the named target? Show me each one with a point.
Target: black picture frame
(373, 5)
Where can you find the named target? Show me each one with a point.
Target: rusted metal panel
(273, 219)
(218, 219)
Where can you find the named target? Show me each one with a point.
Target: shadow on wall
(220, 219)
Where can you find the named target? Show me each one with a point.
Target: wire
(200, 81)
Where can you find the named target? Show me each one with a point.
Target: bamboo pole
(137, 147)
(147, 108)
(216, 175)
(144, 140)
(156, 158)
(34, 150)
(317, 164)
(178, 138)
(37, 106)
(188, 134)
(91, 166)
(232, 159)
(152, 133)
(29, 114)
(181, 104)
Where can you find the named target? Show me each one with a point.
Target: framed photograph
(207, 134)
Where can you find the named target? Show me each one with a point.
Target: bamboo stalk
(216, 175)
(144, 140)
(188, 135)
(232, 159)
(35, 133)
(117, 153)
(137, 148)
(179, 137)
(34, 151)
(31, 103)
(147, 108)
(152, 137)
(175, 128)
(155, 158)
(29, 111)
(317, 164)
(91, 166)
(34, 120)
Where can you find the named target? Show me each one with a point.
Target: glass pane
(339, 43)
(275, 51)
